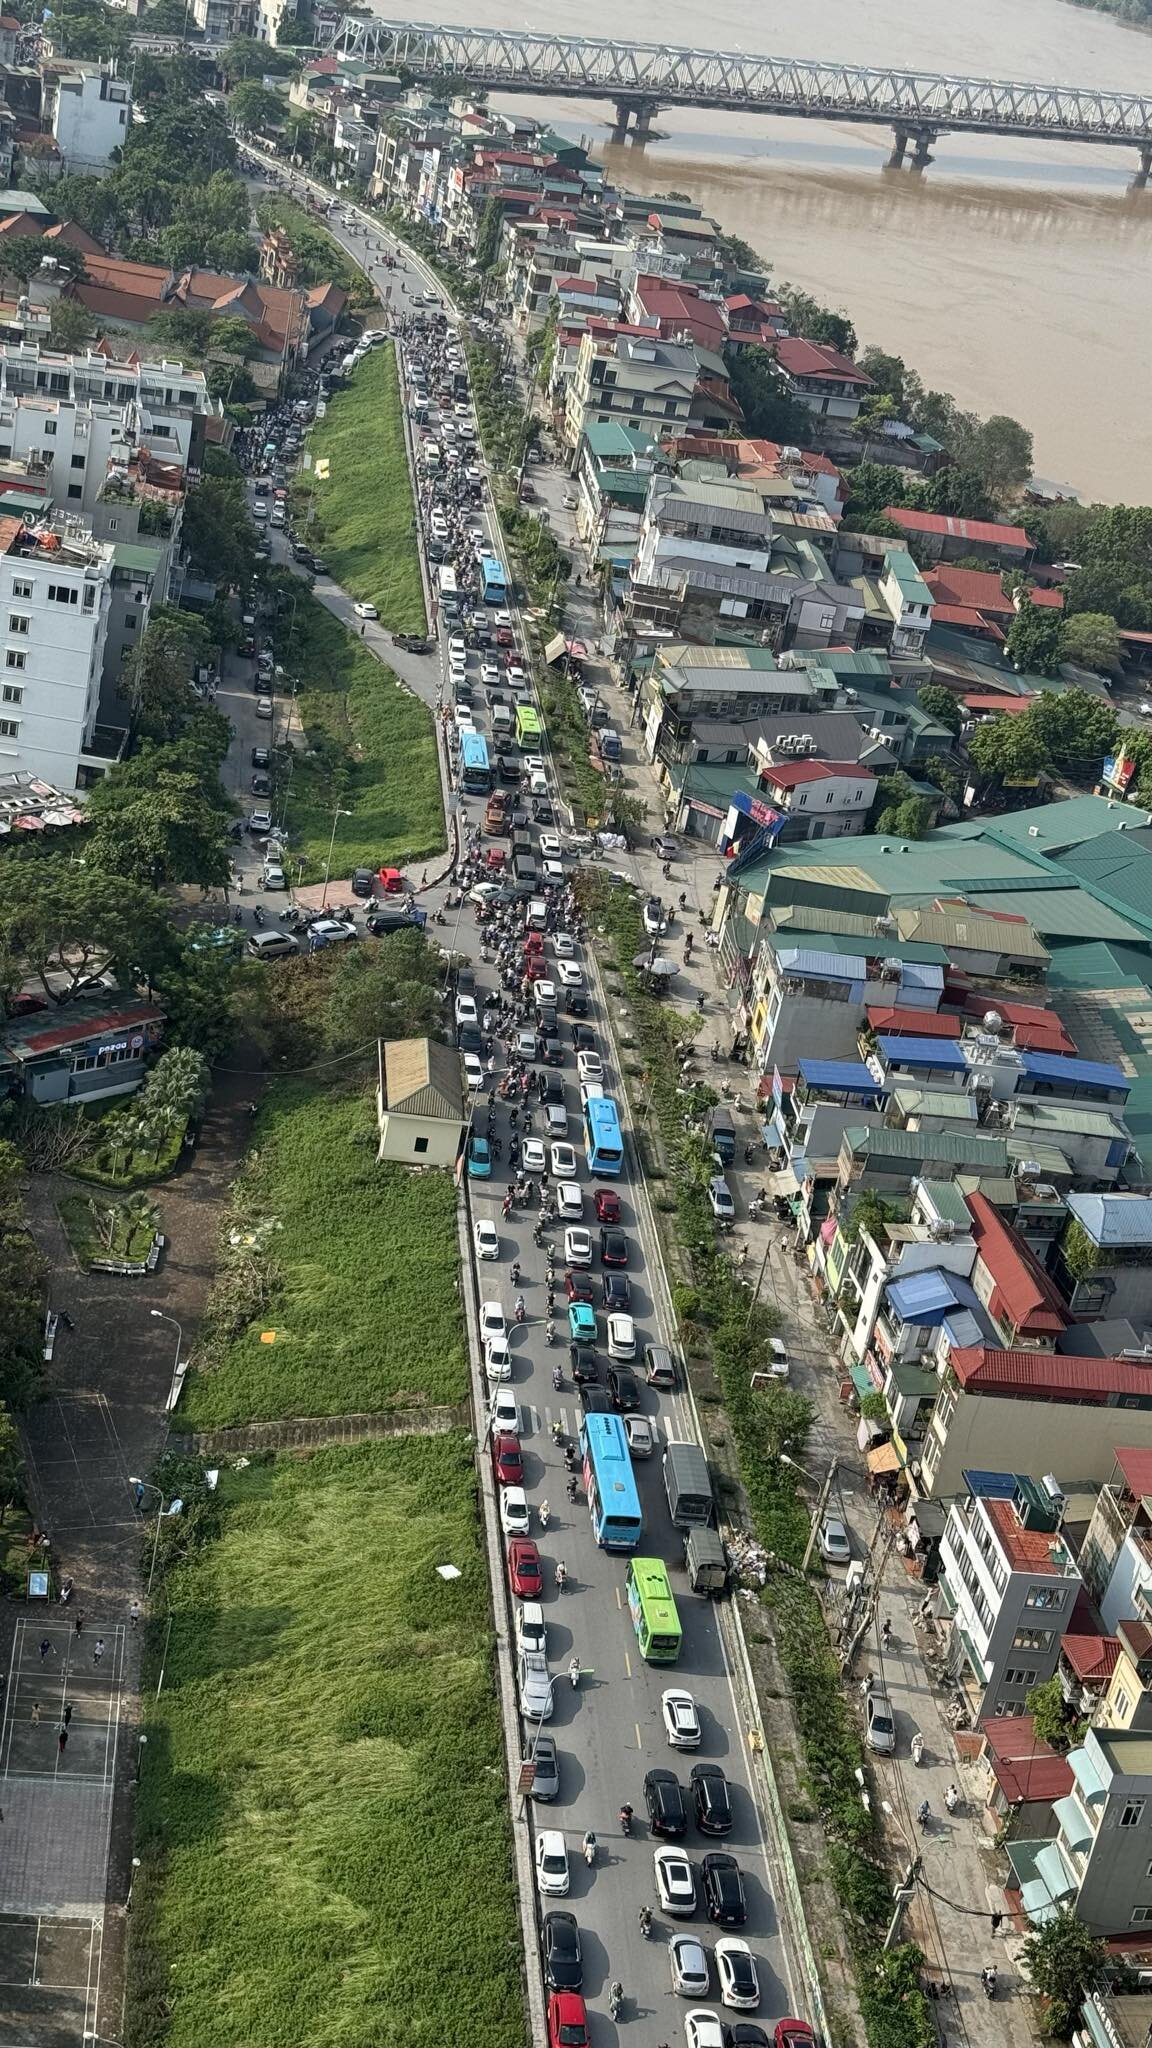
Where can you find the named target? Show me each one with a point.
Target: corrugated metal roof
(1037, 1113)
(900, 1023)
(922, 1297)
(957, 1148)
(966, 931)
(851, 1074)
(422, 1078)
(1029, 1150)
(1114, 1219)
(1052, 1066)
(947, 1202)
(922, 1052)
(1059, 913)
(1049, 1374)
(1028, 1295)
(917, 973)
(819, 918)
(907, 951)
(951, 1102)
(824, 966)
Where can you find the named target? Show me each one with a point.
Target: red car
(534, 943)
(504, 636)
(579, 1287)
(793, 2034)
(607, 1205)
(567, 2020)
(391, 881)
(524, 1568)
(507, 1463)
(535, 967)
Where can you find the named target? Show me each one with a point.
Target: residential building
(1023, 1302)
(93, 1047)
(820, 377)
(89, 112)
(120, 294)
(1024, 1779)
(1105, 1257)
(1009, 1584)
(56, 596)
(818, 799)
(908, 601)
(1034, 1412)
(612, 469)
(1100, 1860)
(1116, 1555)
(419, 1102)
(164, 405)
(1125, 1698)
(754, 322)
(945, 539)
(690, 683)
(630, 376)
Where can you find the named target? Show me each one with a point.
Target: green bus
(529, 731)
(653, 1610)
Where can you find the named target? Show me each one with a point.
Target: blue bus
(475, 767)
(613, 1502)
(603, 1144)
(493, 582)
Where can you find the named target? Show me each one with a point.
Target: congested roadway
(608, 1729)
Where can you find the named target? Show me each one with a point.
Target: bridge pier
(900, 141)
(644, 113)
(624, 111)
(922, 155)
(1145, 171)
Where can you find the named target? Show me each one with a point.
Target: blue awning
(922, 1297)
(851, 1075)
(1052, 1066)
(942, 1053)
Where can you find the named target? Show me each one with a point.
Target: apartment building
(89, 113)
(1009, 1584)
(55, 600)
(1099, 1865)
(818, 799)
(1104, 1262)
(1116, 1555)
(1034, 1412)
(630, 376)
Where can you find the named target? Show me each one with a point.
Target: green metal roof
(1097, 966)
(819, 918)
(910, 871)
(948, 1202)
(137, 555)
(712, 781)
(1045, 827)
(612, 437)
(952, 1102)
(1060, 913)
(1040, 1114)
(912, 1381)
(856, 948)
(1049, 1158)
(957, 1148)
(899, 564)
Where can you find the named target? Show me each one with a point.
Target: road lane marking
(639, 1738)
(619, 1601)
(627, 1665)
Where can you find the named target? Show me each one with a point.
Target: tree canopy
(1064, 1960)
(1093, 640)
(161, 818)
(941, 705)
(770, 412)
(1035, 639)
(1008, 748)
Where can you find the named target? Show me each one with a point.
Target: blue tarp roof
(1053, 1066)
(830, 966)
(922, 1052)
(917, 974)
(840, 1074)
(922, 1297)
(991, 1485)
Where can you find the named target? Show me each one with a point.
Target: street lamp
(336, 816)
(160, 1315)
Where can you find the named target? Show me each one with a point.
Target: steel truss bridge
(640, 78)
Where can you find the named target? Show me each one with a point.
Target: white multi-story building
(54, 404)
(55, 598)
(1008, 1580)
(91, 113)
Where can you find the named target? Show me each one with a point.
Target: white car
(533, 764)
(331, 931)
(497, 1359)
(532, 1155)
(516, 674)
(702, 2029)
(675, 1884)
(557, 1120)
(563, 945)
(568, 974)
(466, 1011)
(505, 1413)
(462, 716)
(492, 1321)
(569, 1201)
(502, 617)
(457, 645)
(681, 1720)
(739, 1984)
(720, 1199)
(484, 892)
(531, 1628)
(550, 847)
(489, 674)
(544, 992)
(552, 1863)
(577, 1247)
(621, 1336)
(486, 1239)
(515, 1514)
(365, 611)
(563, 1161)
(688, 1961)
(535, 1684)
(473, 1070)
(589, 1066)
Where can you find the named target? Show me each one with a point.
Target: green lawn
(322, 1824)
(366, 1312)
(365, 518)
(372, 753)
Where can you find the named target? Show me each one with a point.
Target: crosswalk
(675, 1426)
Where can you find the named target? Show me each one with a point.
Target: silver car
(688, 1962)
(535, 1686)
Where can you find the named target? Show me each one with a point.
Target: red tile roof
(1025, 1766)
(1027, 1550)
(981, 700)
(912, 1023)
(1136, 1465)
(978, 588)
(786, 774)
(1052, 599)
(964, 616)
(1033, 1029)
(1046, 1376)
(954, 529)
(1026, 1296)
(59, 1030)
(816, 359)
(1135, 1637)
(1092, 1658)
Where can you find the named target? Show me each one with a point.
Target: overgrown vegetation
(320, 257)
(363, 515)
(322, 1821)
(23, 1289)
(349, 1265)
(105, 1228)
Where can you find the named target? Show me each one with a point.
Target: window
(63, 593)
(1044, 1596)
(129, 621)
(1132, 1813)
(9, 728)
(420, 1145)
(75, 490)
(20, 589)
(11, 693)
(14, 660)
(17, 623)
(831, 794)
(1024, 1676)
(50, 428)
(1141, 1916)
(111, 526)
(804, 798)
(1032, 1639)
(89, 597)
(108, 1056)
(77, 462)
(1122, 1707)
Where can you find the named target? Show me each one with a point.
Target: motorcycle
(257, 914)
(615, 2001)
(588, 1848)
(988, 1980)
(917, 1748)
(557, 1375)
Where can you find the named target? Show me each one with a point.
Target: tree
(958, 493)
(89, 31)
(197, 985)
(807, 317)
(1064, 1960)
(874, 485)
(23, 1274)
(23, 255)
(11, 1461)
(888, 373)
(1035, 639)
(945, 777)
(488, 234)
(218, 531)
(869, 1212)
(154, 820)
(1008, 748)
(247, 57)
(253, 106)
(389, 990)
(1001, 455)
(1093, 640)
(941, 705)
(1051, 1719)
(70, 326)
(64, 922)
(1076, 729)
(770, 412)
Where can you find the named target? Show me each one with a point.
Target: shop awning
(883, 1458)
(555, 647)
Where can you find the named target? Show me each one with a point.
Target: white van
(536, 915)
(502, 720)
(431, 455)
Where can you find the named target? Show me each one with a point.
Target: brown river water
(1015, 274)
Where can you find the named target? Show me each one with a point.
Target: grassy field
(372, 753)
(323, 1832)
(365, 518)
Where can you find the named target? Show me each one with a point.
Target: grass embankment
(354, 1267)
(321, 258)
(372, 752)
(322, 1821)
(364, 517)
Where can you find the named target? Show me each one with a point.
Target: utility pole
(868, 1592)
(818, 1512)
(901, 1897)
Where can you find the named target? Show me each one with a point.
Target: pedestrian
(68, 1713)
(45, 1647)
(98, 1650)
(134, 1613)
(66, 1319)
(62, 1741)
(35, 1713)
(79, 1623)
(997, 1922)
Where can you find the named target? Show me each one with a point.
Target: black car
(468, 1038)
(547, 1024)
(551, 1091)
(542, 811)
(613, 1248)
(617, 1292)
(563, 1962)
(363, 881)
(746, 2034)
(723, 1889)
(261, 757)
(381, 922)
(465, 981)
(261, 785)
(585, 1365)
(624, 1388)
(508, 768)
(583, 1038)
(711, 1799)
(596, 1401)
(521, 823)
(665, 1804)
(553, 1054)
(577, 1003)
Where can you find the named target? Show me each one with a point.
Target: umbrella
(658, 966)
